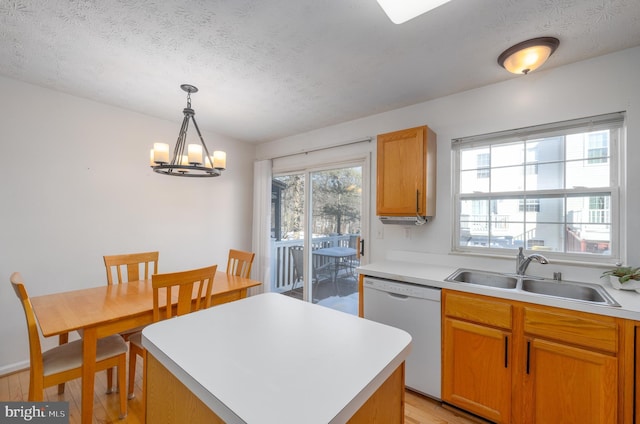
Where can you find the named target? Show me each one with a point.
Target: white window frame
(615, 188)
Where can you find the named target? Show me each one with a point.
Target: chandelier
(196, 162)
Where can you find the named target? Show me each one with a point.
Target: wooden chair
(64, 363)
(239, 263)
(186, 282)
(132, 262)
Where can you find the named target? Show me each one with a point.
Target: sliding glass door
(316, 235)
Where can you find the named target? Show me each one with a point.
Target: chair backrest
(132, 262)
(239, 263)
(35, 349)
(187, 283)
(297, 256)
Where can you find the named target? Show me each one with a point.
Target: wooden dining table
(112, 309)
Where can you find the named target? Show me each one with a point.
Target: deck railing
(282, 274)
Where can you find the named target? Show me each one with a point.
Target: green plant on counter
(624, 273)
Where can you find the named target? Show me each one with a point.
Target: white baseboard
(11, 368)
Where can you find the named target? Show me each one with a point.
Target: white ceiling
(267, 69)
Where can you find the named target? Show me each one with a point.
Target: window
(598, 148)
(599, 209)
(483, 160)
(552, 188)
(529, 205)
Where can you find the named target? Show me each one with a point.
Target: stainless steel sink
(571, 290)
(583, 292)
(484, 278)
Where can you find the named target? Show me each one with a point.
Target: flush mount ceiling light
(529, 55)
(197, 162)
(400, 11)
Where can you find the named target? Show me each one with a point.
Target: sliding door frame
(363, 160)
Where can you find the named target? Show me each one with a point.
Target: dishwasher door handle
(399, 296)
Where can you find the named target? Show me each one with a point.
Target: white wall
(76, 185)
(606, 84)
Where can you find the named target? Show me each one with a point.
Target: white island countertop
(273, 359)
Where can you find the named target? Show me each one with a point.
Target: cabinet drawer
(592, 331)
(478, 309)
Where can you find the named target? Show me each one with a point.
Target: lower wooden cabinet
(636, 372)
(513, 362)
(477, 372)
(566, 384)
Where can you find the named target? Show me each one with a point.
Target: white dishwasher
(415, 309)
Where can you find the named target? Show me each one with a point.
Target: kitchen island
(273, 359)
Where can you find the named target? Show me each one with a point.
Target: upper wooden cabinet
(406, 173)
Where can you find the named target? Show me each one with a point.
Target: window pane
(579, 145)
(507, 179)
(474, 233)
(474, 210)
(548, 210)
(507, 154)
(547, 176)
(588, 219)
(508, 223)
(470, 158)
(510, 208)
(594, 209)
(545, 237)
(589, 238)
(471, 182)
(545, 150)
(474, 222)
(583, 173)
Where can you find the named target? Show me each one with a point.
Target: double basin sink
(583, 292)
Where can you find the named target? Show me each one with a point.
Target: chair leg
(62, 339)
(109, 381)
(122, 374)
(132, 372)
(144, 382)
(36, 389)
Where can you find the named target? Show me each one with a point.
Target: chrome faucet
(523, 262)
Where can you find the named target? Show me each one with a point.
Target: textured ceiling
(272, 68)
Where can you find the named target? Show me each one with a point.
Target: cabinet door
(565, 384)
(402, 185)
(477, 369)
(636, 378)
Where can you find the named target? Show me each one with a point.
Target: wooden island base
(168, 401)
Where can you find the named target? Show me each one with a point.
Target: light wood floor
(15, 387)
